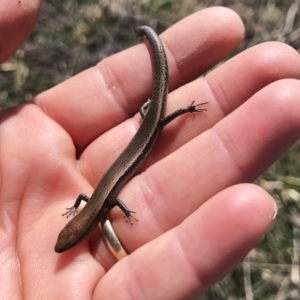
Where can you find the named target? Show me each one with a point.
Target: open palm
(197, 216)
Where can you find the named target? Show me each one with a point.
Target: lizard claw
(70, 211)
(129, 216)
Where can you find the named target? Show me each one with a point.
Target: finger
(188, 259)
(241, 77)
(103, 96)
(225, 88)
(17, 19)
(236, 150)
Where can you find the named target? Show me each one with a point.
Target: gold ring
(111, 239)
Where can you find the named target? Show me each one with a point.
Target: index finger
(107, 94)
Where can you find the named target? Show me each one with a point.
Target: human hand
(197, 217)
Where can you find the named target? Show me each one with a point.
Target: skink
(105, 194)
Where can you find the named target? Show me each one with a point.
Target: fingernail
(275, 208)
